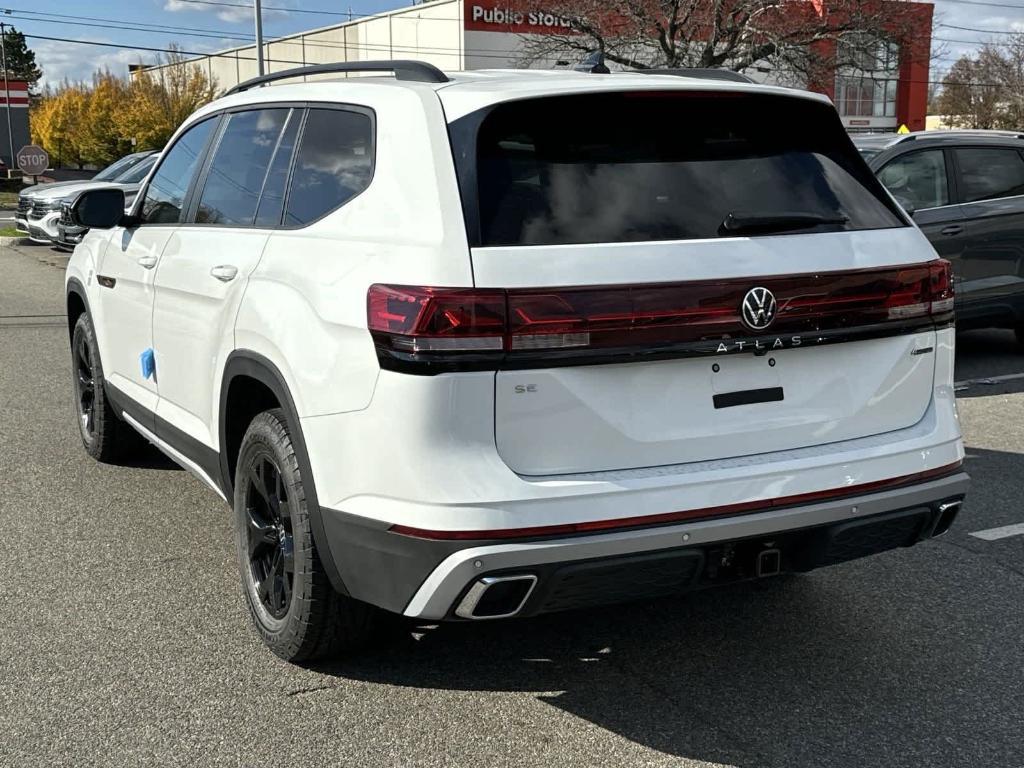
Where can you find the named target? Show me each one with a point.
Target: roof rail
(699, 72)
(954, 132)
(418, 71)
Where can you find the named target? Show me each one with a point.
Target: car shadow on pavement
(906, 658)
(145, 455)
(781, 672)
(987, 352)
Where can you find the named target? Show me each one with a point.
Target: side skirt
(184, 450)
(175, 456)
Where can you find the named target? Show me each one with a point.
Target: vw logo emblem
(758, 308)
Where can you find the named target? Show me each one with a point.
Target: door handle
(224, 272)
(952, 229)
(147, 261)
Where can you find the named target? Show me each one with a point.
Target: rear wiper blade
(783, 221)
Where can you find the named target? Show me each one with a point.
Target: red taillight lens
(438, 319)
(490, 327)
(942, 294)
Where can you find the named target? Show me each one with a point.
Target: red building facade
(883, 90)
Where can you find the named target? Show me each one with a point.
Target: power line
(155, 50)
(95, 25)
(490, 54)
(984, 31)
(286, 61)
(158, 27)
(985, 2)
(248, 6)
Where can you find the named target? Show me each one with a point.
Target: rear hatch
(667, 277)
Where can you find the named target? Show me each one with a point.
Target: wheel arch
(260, 384)
(76, 302)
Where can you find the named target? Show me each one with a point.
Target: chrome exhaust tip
(947, 514)
(496, 597)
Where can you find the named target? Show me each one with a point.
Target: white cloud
(78, 63)
(232, 14)
(954, 43)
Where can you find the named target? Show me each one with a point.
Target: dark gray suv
(965, 190)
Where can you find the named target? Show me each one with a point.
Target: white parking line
(991, 534)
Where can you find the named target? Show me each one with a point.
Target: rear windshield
(624, 167)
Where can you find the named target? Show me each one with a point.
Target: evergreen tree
(21, 60)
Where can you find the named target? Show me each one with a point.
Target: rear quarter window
(624, 167)
(989, 174)
(333, 163)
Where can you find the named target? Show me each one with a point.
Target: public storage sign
(504, 17)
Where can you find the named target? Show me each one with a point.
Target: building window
(866, 78)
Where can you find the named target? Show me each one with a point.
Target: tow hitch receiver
(769, 561)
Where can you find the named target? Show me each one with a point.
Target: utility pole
(259, 38)
(7, 91)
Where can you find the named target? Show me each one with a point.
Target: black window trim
(204, 173)
(191, 202)
(140, 198)
(305, 107)
(370, 114)
(951, 186)
(463, 133)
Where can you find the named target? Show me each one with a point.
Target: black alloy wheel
(294, 607)
(85, 387)
(104, 436)
(269, 535)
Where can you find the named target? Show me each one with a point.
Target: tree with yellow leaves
(98, 124)
(160, 99)
(58, 123)
(103, 139)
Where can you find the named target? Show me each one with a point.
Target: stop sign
(33, 160)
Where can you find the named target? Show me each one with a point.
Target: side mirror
(98, 208)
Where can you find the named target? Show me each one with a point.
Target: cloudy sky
(208, 25)
(194, 25)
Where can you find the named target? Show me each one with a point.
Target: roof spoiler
(594, 63)
(702, 73)
(403, 69)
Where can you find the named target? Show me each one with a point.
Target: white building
(888, 90)
(451, 34)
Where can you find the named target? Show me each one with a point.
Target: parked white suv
(494, 344)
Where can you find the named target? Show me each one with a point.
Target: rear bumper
(430, 579)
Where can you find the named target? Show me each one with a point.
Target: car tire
(294, 608)
(104, 436)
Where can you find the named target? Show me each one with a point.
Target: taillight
(437, 319)
(429, 330)
(941, 288)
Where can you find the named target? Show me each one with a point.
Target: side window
(165, 193)
(333, 164)
(272, 199)
(918, 179)
(990, 173)
(239, 167)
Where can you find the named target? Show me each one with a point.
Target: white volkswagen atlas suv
(488, 344)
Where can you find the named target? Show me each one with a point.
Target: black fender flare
(74, 286)
(255, 366)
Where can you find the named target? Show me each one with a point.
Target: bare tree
(803, 39)
(987, 90)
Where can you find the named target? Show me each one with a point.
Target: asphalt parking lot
(124, 638)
